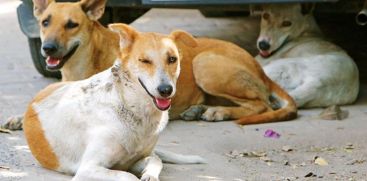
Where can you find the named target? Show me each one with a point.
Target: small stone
(253, 154)
(266, 159)
(287, 148)
(310, 175)
(286, 163)
(320, 161)
(356, 162)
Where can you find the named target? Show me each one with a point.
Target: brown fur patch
(34, 132)
(37, 141)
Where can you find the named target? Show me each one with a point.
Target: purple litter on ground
(269, 133)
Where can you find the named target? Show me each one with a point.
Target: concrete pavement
(233, 152)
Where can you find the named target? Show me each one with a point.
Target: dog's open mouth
(55, 63)
(161, 103)
(266, 54)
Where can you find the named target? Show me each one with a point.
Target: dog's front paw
(193, 113)
(14, 123)
(213, 114)
(147, 177)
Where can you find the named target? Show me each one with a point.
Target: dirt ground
(233, 152)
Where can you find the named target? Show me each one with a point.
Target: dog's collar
(145, 88)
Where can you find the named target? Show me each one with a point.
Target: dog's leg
(149, 167)
(103, 152)
(223, 77)
(193, 113)
(97, 173)
(306, 92)
(221, 113)
(291, 75)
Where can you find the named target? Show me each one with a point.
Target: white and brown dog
(103, 126)
(315, 72)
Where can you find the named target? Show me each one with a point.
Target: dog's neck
(134, 99)
(94, 55)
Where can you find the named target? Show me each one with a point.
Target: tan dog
(72, 38)
(73, 41)
(226, 77)
(115, 115)
(293, 53)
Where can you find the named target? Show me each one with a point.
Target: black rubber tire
(38, 60)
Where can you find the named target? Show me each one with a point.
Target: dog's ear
(93, 8)
(39, 6)
(184, 37)
(307, 8)
(127, 34)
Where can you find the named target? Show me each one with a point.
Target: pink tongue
(264, 53)
(52, 61)
(163, 103)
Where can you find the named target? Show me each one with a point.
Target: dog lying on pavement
(221, 82)
(115, 116)
(315, 72)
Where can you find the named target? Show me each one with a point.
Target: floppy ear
(184, 37)
(127, 34)
(39, 6)
(93, 8)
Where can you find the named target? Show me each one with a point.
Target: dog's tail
(175, 158)
(286, 108)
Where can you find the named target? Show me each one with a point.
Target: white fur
(100, 123)
(316, 73)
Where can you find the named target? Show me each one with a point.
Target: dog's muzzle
(161, 103)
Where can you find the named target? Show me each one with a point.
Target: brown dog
(73, 41)
(219, 73)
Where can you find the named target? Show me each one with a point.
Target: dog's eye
(266, 16)
(145, 61)
(70, 24)
(45, 23)
(172, 59)
(286, 24)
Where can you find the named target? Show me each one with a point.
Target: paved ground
(233, 152)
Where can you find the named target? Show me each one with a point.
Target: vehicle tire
(38, 60)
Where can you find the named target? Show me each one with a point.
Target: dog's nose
(264, 45)
(165, 90)
(49, 48)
